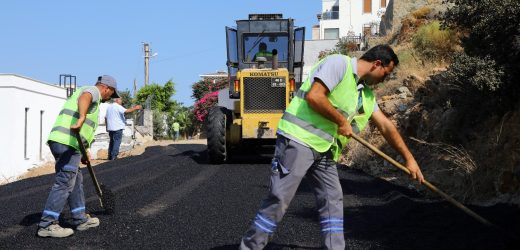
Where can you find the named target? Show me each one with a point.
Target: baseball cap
(109, 81)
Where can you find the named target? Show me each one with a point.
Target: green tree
(184, 118)
(161, 104)
(200, 88)
(126, 98)
(490, 27)
(203, 87)
(158, 125)
(161, 96)
(486, 73)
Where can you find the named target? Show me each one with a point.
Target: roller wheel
(216, 132)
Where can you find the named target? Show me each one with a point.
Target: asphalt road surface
(171, 198)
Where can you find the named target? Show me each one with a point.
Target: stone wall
(131, 137)
(146, 127)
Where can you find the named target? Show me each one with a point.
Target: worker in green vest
(176, 129)
(79, 114)
(332, 104)
(262, 52)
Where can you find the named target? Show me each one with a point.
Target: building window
(335, 12)
(383, 3)
(332, 14)
(331, 33)
(367, 6)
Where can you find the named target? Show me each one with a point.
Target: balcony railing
(330, 15)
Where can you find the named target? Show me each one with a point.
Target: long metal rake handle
(425, 182)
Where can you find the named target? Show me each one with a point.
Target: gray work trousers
(292, 161)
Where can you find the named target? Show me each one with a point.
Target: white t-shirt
(115, 117)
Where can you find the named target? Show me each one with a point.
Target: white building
(29, 109)
(312, 52)
(340, 18)
(220, 75)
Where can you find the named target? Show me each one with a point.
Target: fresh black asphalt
(170, 197)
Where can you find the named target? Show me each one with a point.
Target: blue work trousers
(115, 141)
(67, 188)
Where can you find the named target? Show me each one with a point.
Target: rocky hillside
(474, 160)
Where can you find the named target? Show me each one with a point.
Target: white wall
(312, 51)
(330, 24)
(16, 94)
(359, 18)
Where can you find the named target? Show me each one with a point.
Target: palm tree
(183, 118)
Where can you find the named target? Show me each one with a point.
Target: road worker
(332, 104)
(79, 114)
(262, 52)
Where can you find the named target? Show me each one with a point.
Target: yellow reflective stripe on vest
(76, 115)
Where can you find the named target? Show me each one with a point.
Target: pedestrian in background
(331, 105)
(115, 121)
(176, 129)
(79, 115)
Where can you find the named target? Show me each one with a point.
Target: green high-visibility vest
(263, 54)
(68, 116)
(321, 134)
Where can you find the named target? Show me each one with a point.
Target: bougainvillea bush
(206, 95)
(201, 88)
(204, 104)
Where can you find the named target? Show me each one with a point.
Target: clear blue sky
(43, 39)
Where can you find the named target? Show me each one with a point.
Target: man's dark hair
(381, 52)
(262, 46)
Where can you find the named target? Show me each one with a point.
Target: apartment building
(340, 18)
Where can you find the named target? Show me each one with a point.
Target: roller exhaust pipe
(275, 59)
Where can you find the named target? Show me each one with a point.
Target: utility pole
(135, 87)
(146, 62)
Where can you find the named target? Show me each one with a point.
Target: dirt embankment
(481, 165)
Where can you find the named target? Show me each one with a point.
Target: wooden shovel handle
(89, 167)
(425, 182)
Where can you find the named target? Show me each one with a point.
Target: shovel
(425, 182)
(105, 195)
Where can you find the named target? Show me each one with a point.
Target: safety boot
(56, 231)
(91, 222)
